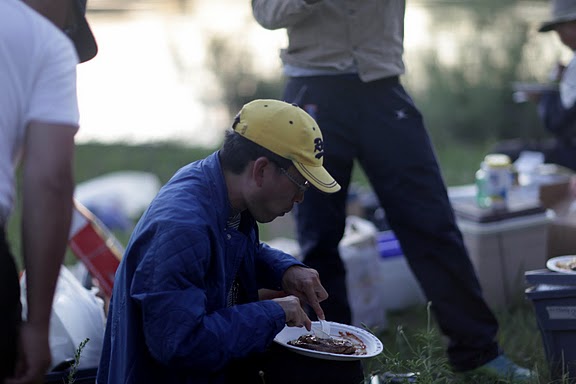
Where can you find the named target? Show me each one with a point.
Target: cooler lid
(547, 277)
(466, 208)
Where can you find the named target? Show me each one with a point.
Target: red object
(93, 243)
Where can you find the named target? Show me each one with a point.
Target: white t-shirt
(37, 83)
(568, 84)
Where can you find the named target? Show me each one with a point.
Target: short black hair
(237, 151)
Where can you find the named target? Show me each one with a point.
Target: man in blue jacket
(185, 306)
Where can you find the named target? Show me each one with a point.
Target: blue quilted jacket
(168, 320)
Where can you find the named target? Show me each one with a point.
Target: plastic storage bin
(553, 296)
(360, 256)
(503, 246)
(400, 289)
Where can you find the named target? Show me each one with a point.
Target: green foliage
(74, 367)
(238, 79)
(422, 353)
(465, 93)
(413, 343)
(161, 159)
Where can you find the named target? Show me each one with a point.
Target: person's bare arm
(47, 203)
(47, 190)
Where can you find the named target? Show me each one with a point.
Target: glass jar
(493, 181)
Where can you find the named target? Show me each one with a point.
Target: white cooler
(503, 246)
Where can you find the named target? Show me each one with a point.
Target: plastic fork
(322, 332)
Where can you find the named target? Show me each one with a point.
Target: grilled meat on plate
(331, 345)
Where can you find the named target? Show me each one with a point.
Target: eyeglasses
(303, 187)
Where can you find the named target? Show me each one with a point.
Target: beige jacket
(335, 35)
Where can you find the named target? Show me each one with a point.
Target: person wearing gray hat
(41, 42)
(557, 108)
(564, 23)
(556, 105)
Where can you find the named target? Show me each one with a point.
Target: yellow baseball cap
(288, 131)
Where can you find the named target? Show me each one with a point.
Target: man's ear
(260, 167)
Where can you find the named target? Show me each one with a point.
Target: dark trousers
(11, 309)
(377, 124)
(279, 365)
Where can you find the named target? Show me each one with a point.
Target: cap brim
(318, 177)
(552, 24)
(546, 27)
(83, 37)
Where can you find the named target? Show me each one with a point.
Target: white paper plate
(555, 263)
(372, 343)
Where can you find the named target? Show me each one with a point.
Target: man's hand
(304, 283)
(34, 358)
(295, 315)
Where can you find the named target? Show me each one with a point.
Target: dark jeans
(11, 309)
(377, 124)
(279, 365)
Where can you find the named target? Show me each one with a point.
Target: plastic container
(360, 256)
(494, 180)
(553, 296)
(503, 250)
(400, 289)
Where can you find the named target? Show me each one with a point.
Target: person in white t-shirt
(38, 120)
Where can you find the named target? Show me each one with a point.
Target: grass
(413, 343)
(71, 379)
(412, 340)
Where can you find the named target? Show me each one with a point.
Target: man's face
(279, 191)
(567, 34)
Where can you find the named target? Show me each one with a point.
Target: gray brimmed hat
(81, 34)
(562, 11)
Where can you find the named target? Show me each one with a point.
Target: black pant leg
(283, 366)
(11, 310)
(399, 160)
